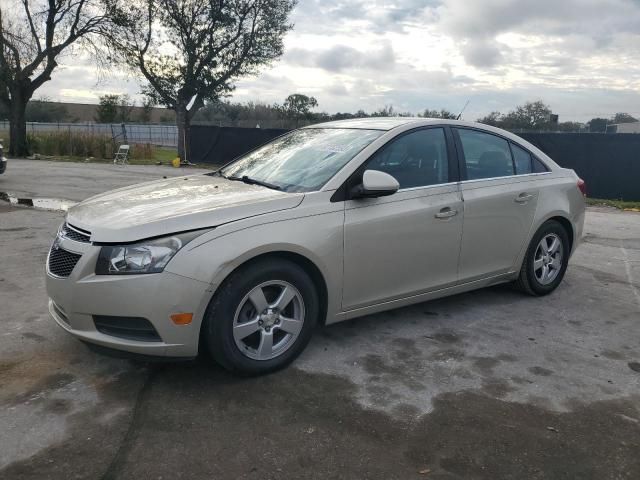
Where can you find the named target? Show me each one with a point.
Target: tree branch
(32, 27)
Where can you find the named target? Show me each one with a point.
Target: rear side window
(538, 166)
(522, 160)
(485, 155)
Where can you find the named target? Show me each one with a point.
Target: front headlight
(149, 256)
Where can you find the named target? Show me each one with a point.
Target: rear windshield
(303, 160)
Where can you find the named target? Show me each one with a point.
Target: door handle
(523, 198)
(446, 212)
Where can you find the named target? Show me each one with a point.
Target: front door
(407, 243)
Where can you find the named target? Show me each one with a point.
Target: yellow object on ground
(176, 162)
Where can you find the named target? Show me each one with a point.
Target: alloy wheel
(548, 258)
(268, 320)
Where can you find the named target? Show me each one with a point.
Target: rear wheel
(262, 317)
(546, 260)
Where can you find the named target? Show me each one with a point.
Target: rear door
(500, 198)
(407, 243)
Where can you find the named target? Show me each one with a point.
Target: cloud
(378, 16)
(594, 24)
(580, 56)
(480, 53)
(337, 89)
(489, 18)
(341, 58)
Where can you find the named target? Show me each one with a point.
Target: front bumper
(76, 299)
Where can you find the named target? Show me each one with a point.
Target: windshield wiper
(254, 181)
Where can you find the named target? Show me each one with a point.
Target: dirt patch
(34, 336)
(541, 371)
(21, 380)
(447, 354)
(39, 390)
(497, 388)
(486, 364)
(528, 442)
(15, 229)
(447, 337)
(387, 371)
(613, 355)
(93, 435)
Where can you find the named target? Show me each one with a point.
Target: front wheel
(546, 260)
(262, 317)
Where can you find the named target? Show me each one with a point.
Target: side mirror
(375, 184)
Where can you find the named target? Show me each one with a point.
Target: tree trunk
(184, 124)
(18, 127)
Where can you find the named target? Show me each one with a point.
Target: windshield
(303, 160)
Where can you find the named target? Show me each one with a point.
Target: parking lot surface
(489, 384)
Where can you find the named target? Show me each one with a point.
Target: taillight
(582, 187)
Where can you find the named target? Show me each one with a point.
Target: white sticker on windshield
(333, 148)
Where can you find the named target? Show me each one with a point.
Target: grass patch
(620, 204)
(165, 155)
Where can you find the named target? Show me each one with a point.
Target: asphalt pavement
(489, 384)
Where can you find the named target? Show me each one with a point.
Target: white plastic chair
(122, 155)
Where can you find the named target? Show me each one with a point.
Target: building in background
(633, 127)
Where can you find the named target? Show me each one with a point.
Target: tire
(532, 279)
(233, 313)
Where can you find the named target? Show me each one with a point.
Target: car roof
(389, 123)
(372, 123)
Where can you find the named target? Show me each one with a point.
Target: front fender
(318, 238)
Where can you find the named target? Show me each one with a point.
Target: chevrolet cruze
(323, 224)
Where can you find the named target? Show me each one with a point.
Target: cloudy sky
(580, 56)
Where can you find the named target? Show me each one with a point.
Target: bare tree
(191, 51)
(33, 36)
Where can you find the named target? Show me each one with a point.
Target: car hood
(174, 205)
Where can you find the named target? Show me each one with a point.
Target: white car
(325, 223)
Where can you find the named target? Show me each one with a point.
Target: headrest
(418, 150)
(495, 162)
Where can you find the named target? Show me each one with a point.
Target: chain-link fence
(160, 135)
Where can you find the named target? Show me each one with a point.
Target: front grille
(129, 328)
(75, 233)
(61, 262)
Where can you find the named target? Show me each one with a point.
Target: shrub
(82, 144)
(74, 144)
(143, 151)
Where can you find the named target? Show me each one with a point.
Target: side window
(485, 155)
(538, 166)
(521, 159)
(417, 159)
